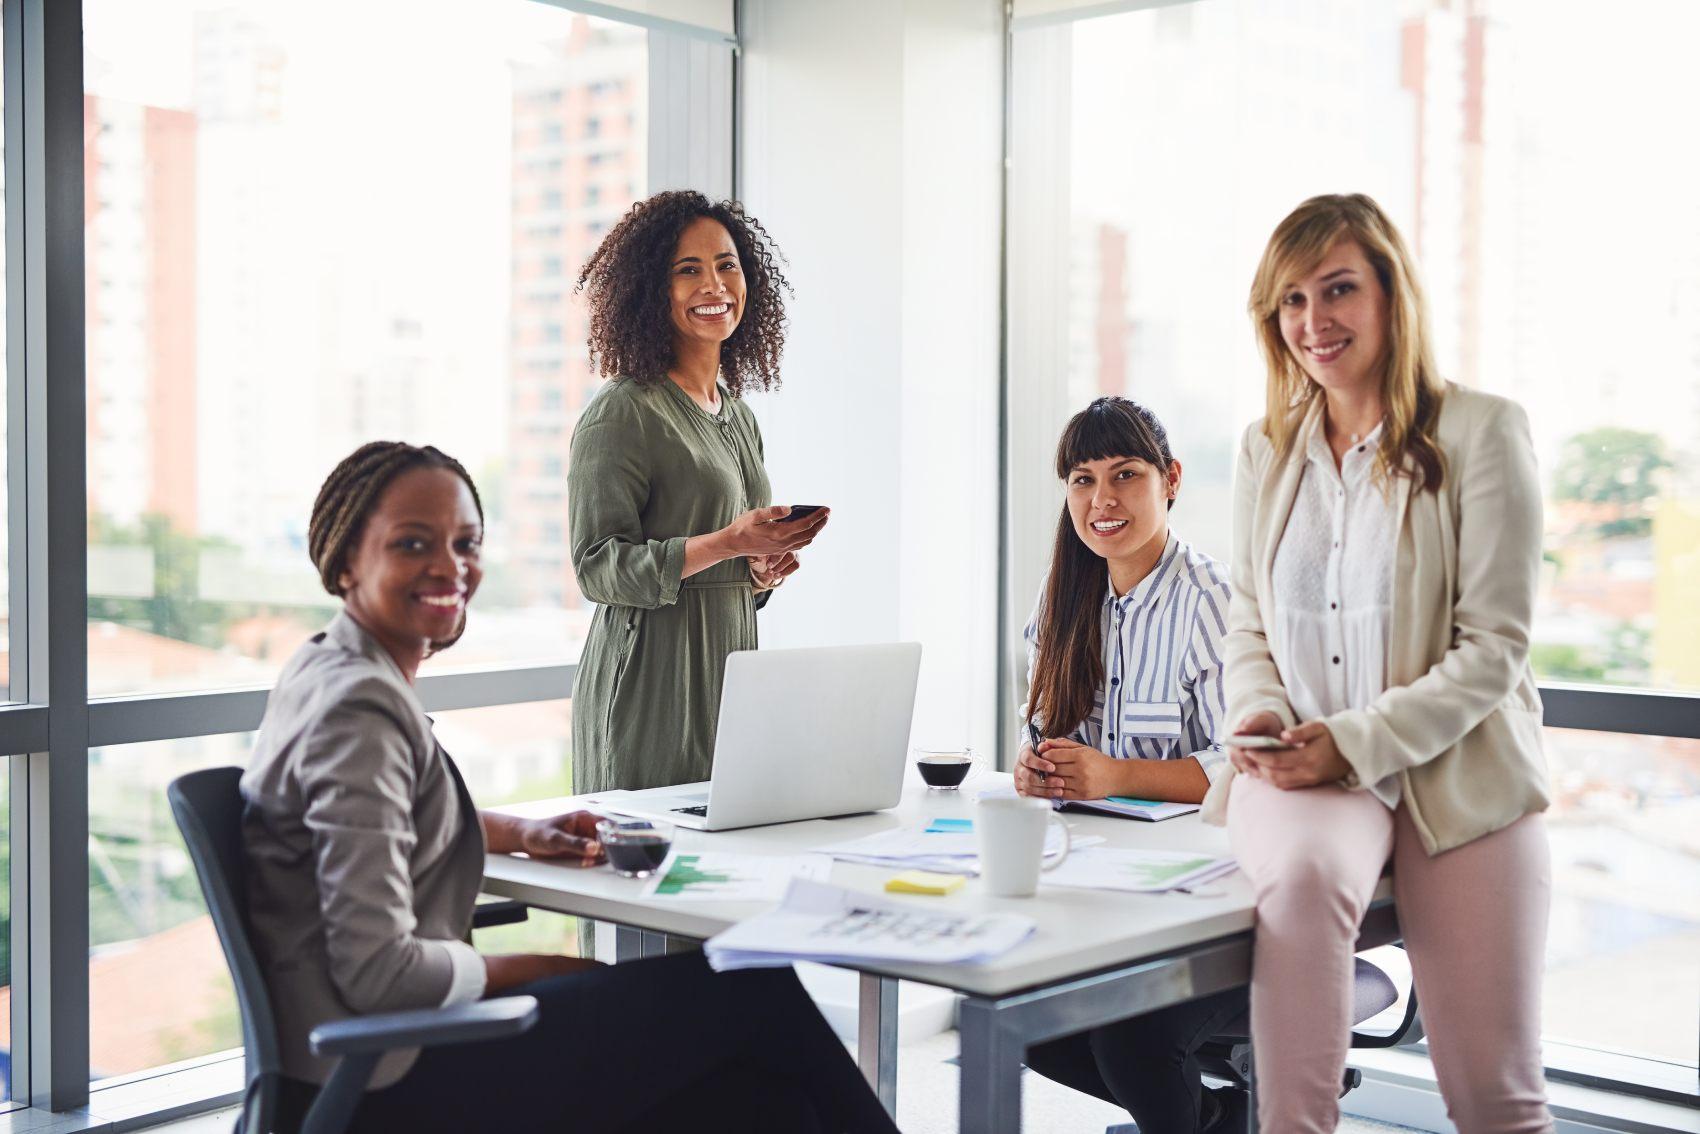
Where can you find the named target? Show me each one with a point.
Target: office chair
(208, 809)
(1228, 1055)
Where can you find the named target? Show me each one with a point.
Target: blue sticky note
(1129, 802)
(949, 826)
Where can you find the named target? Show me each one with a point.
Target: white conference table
(1095, 957)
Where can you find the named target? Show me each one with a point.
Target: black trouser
(659, 1044)
(1147, 1065)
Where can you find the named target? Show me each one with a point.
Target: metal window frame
(47, 505)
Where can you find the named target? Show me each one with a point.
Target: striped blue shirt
(1162, 698)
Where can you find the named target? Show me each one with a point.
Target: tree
(175, 609)
(1610, 466)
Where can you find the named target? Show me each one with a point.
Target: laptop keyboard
(700, 810)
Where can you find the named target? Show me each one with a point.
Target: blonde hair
(1411, 388)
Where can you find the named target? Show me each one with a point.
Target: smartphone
(1246, 740)
(798, 512)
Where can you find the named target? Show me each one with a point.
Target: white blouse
(1333, 577)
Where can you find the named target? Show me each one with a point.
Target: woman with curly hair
(668, 504)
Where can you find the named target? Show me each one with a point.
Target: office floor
(926, 1101)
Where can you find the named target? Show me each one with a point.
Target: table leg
(991, 1071)
(876, 1036)
(628, 944)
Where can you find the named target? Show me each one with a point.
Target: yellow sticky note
(923, 882)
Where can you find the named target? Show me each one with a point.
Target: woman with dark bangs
(668, 504)
(1125, 698)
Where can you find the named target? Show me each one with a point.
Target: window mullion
(44, 165)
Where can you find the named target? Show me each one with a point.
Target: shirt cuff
(1213, 761)
(672, 571)
(467, 982)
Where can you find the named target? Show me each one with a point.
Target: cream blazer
(1460, 722)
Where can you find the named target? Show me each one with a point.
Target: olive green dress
(649, 468)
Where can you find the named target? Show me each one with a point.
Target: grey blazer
(364, 853)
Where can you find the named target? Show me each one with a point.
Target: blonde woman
(1387, 538)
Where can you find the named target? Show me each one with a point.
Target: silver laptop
(803, 734)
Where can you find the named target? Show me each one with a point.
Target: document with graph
(724, 877)
(820, 922)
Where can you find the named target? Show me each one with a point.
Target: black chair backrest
(208, 808)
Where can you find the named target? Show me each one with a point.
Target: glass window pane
(1625, 933)
(159, 991)
(5, 931)
(5, 494)
(286, 259)
(1472, 131)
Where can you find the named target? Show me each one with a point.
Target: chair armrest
(460, 1023)
(502, 911)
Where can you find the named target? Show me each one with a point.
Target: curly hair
(625, 280)
(349, 494)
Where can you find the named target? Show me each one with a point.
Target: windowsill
(139, 1101)
(1399, 1087)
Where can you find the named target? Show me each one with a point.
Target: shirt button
(1336, 543)
(1336, 661)
(1360, 448)
(1333, 606)
(1115, 681)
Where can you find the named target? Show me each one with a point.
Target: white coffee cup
(1010, 831)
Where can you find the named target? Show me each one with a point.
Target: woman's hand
(1074, 771)
(1265, 723)
(1031, 773)
(757, 532)
(1312, 760)
(768, 571)
(569, 838)
(506, 971)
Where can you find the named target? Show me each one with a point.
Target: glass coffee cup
(636, 847)
(944, 769)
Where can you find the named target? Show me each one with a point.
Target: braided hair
(350, 493)
(625, 281)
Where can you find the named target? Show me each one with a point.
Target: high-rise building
(579, 155)
(253, 357)
(1099, 323)
(140, 241)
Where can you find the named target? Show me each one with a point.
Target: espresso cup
(944, 769)
(636, 848)
(1010, 831)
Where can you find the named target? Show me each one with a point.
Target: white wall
(871, 137)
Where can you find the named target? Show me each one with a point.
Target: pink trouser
(1474, 920)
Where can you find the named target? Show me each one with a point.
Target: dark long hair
(1070, 661)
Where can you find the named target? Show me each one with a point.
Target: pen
(1033, 742)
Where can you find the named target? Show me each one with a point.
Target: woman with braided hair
(364, 855)
(668, 504)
